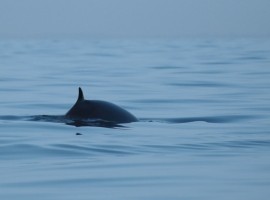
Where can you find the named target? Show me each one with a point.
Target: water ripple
(208, 119)
(23, 151)
(94, 149)
(201, 84)
(226, 146)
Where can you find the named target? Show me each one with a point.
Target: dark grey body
(96, 109)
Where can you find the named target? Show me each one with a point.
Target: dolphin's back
(96, 109)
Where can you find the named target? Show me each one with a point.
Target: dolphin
(99, 110)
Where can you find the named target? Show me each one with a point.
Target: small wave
(95, 149)
(125, 181)
(109, 124)
(22, 151)
(243, 144)
(28, 150)
(211, 119)
(201, 84)
(11, 117)
(76, 122)
(227, 147)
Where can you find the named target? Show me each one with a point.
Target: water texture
(202, 104)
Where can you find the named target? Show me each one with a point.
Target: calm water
(204, 108)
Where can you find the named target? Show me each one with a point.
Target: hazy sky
(134, 18)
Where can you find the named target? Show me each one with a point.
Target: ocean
(203, 108)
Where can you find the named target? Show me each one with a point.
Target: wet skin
(96, 109)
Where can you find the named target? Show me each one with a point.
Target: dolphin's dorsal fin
(80, 97)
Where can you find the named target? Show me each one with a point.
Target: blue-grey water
(203, 105)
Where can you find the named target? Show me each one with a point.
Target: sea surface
(203, 105)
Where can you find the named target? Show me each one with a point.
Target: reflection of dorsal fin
(80, 97)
